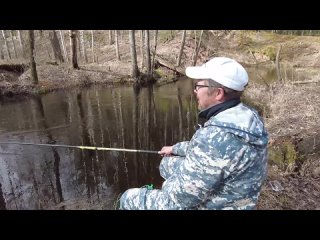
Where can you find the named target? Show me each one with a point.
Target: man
(224, 165)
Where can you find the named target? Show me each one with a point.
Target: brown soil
(291, 112)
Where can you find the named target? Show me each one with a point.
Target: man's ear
(220, 94)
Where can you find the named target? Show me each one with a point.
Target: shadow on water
(34, 177)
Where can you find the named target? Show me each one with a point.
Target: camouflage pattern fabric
(223, 166)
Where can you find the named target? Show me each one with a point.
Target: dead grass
(292, 109)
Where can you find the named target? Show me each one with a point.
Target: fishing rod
(83, 147)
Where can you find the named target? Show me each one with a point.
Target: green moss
(244, 39)
(270, 52)
(283, 155)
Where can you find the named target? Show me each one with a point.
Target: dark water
(34, 177)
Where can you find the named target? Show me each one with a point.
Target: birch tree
(117, 44)
(92, 47)
(6, 44)
(134, 65)
(20, 42)
(13, 44)
(142, 48)
(83, 47)
(34, 75)
(63, 46)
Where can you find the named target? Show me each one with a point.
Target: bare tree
(183, 40)
(56, 46)
(155, 39)
(2, 200)
(63, 46)
(43, 41)
(1, 53)
(13, 44)
(197, 50)
(33, 67)
(134, 64)
(83, 47)
(142, 48)
(147, 49)
(74, 49)
(278, 64)
(117, 44)
(6, 44)
(92, 47)
(110, 37)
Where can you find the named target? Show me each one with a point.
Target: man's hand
(166, 151)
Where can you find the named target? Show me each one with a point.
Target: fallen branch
(171, 66)
(305, 82)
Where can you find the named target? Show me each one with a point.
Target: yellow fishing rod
(82, 147)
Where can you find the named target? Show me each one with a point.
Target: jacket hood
(242, 121)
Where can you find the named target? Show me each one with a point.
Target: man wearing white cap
(224, 165)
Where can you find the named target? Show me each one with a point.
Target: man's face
(205, 99)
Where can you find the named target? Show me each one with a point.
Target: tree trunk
(34, 75)
(155, 50)
(56, 46)
(278, 64)
(1, 53)
(92, 47)
(74, 49)
(197, 50)
(117, 44)
(6, 44)
(2, 200)
(83, 46)
(134, 65)
(43, 42)
(110, 37)
(70, 44)
(63, 46)
(13, 44)
(181, 47)
(147, 43)
(20, 43)
(142, 48)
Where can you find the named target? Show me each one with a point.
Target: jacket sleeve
(169, 165)
(199, 175)
(180, 148)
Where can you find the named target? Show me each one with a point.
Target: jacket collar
(214, 110)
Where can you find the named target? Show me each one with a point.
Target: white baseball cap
(225, 71)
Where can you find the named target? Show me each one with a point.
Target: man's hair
(228, 93)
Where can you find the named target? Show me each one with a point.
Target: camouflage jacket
(222, 167)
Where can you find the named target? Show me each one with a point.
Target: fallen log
(306, 81)
(170, 66)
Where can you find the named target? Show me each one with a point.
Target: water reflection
(33, 177)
